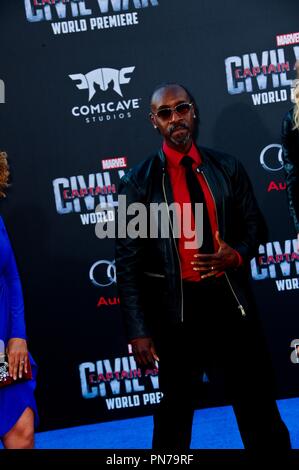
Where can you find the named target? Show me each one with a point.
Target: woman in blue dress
(18, 413)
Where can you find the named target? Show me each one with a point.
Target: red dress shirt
(181, 195)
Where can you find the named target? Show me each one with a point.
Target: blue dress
(15, 398)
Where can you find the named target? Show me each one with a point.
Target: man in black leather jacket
(191, 310)
(290, 147)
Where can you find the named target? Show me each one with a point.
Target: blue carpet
(213, 428)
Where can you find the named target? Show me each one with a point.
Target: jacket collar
(174, 158)
(201, 164)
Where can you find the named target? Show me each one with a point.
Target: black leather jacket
(290, 146)
(148, 269)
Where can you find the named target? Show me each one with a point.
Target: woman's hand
(17, 357)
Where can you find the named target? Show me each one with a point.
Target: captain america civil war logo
(120, 382)
(278, 261)
(267, 75)
(78, 16)
(86, 194)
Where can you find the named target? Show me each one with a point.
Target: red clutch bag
(5, 379)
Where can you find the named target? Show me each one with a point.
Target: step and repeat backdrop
(75, 80)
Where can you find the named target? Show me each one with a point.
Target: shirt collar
(174, 157)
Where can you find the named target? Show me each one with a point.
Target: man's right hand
(144, 352)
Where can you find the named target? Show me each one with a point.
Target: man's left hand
(215, 263)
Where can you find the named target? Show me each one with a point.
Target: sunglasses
(165, 113)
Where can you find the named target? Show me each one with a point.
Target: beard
(179, 138)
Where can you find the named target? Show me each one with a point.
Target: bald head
(171, 87)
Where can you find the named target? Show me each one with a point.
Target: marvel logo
(111, 163)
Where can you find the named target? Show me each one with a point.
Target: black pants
(215, 338)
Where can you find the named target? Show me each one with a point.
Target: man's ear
(194, 111)
(153, 121)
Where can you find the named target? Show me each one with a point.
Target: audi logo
(103, 273)
(271, 157)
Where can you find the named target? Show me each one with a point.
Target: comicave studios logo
(94, 84)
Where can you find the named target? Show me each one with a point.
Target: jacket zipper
(160, 276)
(240, 306)
(181, 281)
